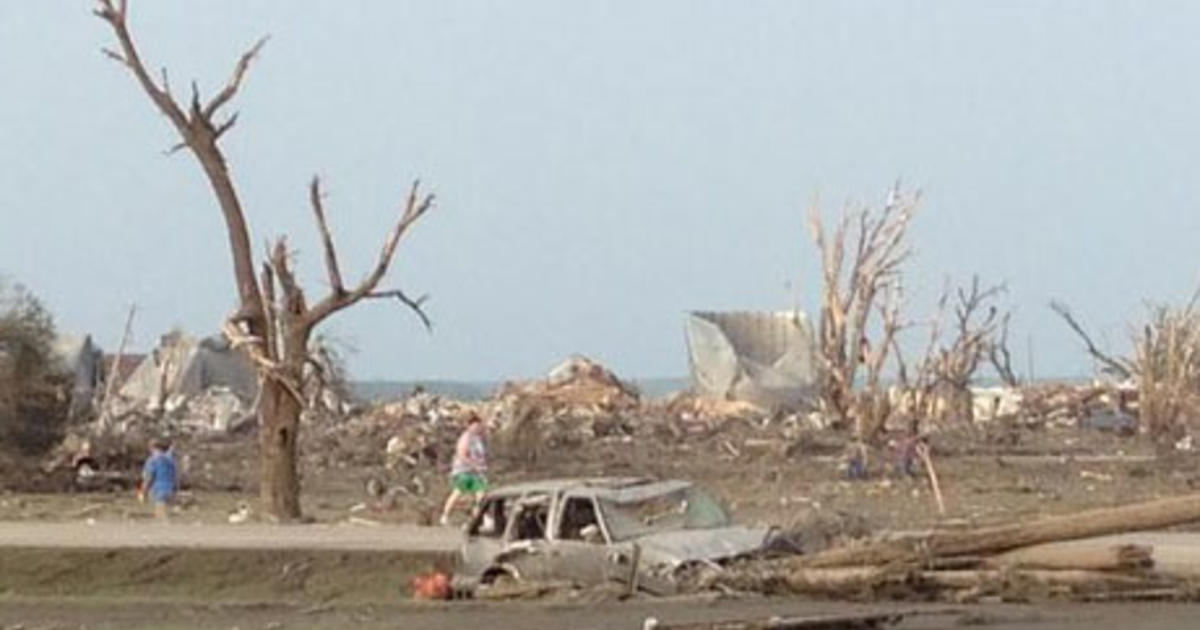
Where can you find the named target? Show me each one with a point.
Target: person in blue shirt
(160, 478)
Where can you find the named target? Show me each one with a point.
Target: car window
(532, 515)
(492, 519)
(687, 508)
(579, 521)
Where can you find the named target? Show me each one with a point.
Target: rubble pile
(578, 401)
(579, 384)
(1095, 405)
(418, 430)
(689, 407)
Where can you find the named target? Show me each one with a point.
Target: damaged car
(592, 531)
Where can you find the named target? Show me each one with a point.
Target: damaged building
(204, 381)
(765, 358)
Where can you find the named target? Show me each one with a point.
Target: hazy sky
(603, 167)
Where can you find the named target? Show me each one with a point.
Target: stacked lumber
(1057, 556)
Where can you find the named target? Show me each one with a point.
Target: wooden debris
(923, 452)
(1024, 560)
(1072, 556)
(1149, 515)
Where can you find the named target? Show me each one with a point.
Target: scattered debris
(1020, 561)
(241, 514)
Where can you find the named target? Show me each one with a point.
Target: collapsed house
(765, 358)
(204, 382)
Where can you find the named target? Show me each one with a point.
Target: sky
(601, 168)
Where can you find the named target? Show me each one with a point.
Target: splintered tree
(860, 298)
(274, 321)
(977, 322)
(1165, 365)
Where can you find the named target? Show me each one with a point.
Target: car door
(579, 549)
(526, 538)
(485, 538)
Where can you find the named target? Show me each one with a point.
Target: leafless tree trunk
(1001, 356)
(976, 321)
(274, 321)
(850, 314)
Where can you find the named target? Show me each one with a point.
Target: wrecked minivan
(591, 531)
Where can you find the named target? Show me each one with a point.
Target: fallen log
(1150, 515)
(1076, 556)
(1075, 580)
(834, 581)
(856, 582)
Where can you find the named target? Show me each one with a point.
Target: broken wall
(767, 358)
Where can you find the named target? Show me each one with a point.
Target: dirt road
(109, 535)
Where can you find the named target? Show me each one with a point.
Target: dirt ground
(70, 614)
(1049, 471)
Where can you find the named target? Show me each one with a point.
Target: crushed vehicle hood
(692, 545)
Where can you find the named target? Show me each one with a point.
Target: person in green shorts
(469, 468)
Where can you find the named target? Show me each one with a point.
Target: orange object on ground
(431, 586)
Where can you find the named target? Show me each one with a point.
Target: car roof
(619, 489)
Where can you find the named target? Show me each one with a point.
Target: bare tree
(976, 322)
(1001, 356)
(1167, 367)
(850, 314)
(274, 321)
(1165, 364)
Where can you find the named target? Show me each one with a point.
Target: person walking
(160, 478)
(468, 468)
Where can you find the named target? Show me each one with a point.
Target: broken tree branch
(331, 262)
(414, 305)
(235, 80)
(1115, 365)
(415, 207)
(923, 452)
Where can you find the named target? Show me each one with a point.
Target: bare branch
(1114, 365)
(225, 126)
(115, 56)
(415, 207)
(196, 113)
(331, 262)
(292, 307)
(235, 81)
(116, 16)
(415, 305)
(1001, 357)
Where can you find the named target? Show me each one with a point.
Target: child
(468, 467)
(160, 478)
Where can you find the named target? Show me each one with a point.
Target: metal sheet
(767, 358)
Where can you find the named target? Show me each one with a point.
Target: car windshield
(672, 510)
